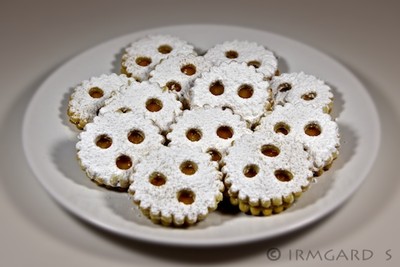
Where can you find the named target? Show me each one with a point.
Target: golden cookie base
(328, 108)
(265, 208)
(170, 221)
(123, 185)
(76, 120)
(327, 166)
(124, 69)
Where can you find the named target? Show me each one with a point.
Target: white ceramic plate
(49, 143)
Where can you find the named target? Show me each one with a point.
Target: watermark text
(359, 255)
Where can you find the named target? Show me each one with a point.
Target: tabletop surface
(37, 37)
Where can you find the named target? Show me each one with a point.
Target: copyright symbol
(273, 254)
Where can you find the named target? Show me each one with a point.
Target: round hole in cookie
(174, 86)
(255, 63)
(225, 132)
(136, 136)
(217, 88)
(215, 155)
(96, 92)
(188, 69)
(282, 128)
(154, 105)
(123, 162)
(186, 196)
(188, 167)
(231, 54)
(143, 61)
(309, 96)
(312, 129)
(164, 49)
(284, 87)
(157, 179)
(193, 135)
(124, 110)
(103, 141)
(283, 175)
(270, 150)
(251, 170)
(245, 91)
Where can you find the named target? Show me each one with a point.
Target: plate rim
(198, 243)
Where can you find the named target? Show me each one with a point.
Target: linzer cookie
(235, 86)
(265, 173)
(112, 145)
(211, 129)
(147, 99)
(301, 88)
(177, 74)
(89, 96)
(143, 55)
(253, 54)
(312, 127)
(177, 185)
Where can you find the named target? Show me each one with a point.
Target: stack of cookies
(180, 131)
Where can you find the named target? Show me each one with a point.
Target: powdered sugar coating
(305, 89)
(207, 121)
(262, 194)
(233, 75)
(82, 107)
(135, 97)
(162, 201)
(323, 147)
(170, 70)
(148, 47)
(100, 163)
(264, 186)
(248, 52)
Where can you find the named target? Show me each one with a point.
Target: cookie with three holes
(265, 173)
(110, 147)
(177, 185)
